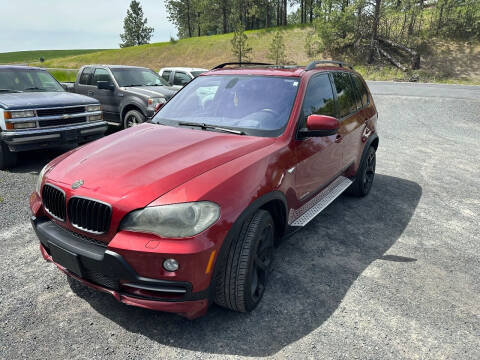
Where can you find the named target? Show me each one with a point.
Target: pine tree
(240, 48)
(277, 49)
(136, 31)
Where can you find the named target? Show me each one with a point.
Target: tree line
(355, 28)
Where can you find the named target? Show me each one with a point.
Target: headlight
(155, 101)
(19, 114)
(173, 221)
(91, 108)
(40, 179)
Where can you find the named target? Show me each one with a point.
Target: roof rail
(238, 63)
(313, 64)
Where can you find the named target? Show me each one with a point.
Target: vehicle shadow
(33, 161)
(313, 271)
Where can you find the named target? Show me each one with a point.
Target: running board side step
(316, 205)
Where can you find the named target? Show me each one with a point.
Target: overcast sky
(73, 24)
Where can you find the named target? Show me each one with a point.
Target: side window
(180, 78)
(345, 94)
(358, 98)
(101, 75)
(166, 74)
(362, 90)
(318, 98)
(85, 77)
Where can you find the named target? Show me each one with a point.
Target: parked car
(36, 113)
(185, 210)
(178, 77)
(128, 94)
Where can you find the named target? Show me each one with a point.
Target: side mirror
(105, 85)
(158, 107)
(320, 125)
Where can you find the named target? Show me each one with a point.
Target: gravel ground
(391, 276)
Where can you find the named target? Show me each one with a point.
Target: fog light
(170, 265)
(95, 117)
(25, 125)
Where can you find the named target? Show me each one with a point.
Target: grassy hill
(24, 57)
(442, 62)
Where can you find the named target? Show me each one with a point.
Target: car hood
(136, 166)
(152, 91)
(35, 100)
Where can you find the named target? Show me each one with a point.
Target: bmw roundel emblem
(77, 184)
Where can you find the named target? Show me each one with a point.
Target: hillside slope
(442, 62)
(23, 57)
(204, 51)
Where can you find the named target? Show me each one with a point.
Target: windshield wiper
(10, 90)
(132, 85)
(204, 126)
(34, 88)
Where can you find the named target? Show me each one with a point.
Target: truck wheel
(365, 175)
(133, 118)
(242, 279)
(8, 158)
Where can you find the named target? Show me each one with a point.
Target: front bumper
(103, 269)
(25, 140)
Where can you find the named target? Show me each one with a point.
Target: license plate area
(65, 258)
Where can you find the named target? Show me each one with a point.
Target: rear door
(319, 159)
(83, 85)
(166, 75)
(350, 116)
(107, 98)
(180, 79)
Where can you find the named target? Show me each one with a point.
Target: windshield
(27, 80)
(196, 73)
(256, 105)
(137, 77)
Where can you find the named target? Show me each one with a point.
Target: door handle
(338, 139)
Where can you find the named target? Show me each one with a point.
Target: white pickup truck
(37, 113)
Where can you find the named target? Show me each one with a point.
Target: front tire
(365, 175)
(133, 118)
(242, 280)
(8, 158)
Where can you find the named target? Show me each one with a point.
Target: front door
(319, 159)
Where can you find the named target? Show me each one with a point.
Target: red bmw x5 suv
(185, 210)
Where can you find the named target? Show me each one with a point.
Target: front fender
(133, 101)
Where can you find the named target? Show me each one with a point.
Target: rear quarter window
(362, 90)
(346, 94)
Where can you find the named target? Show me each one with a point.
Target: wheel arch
(373, 140)
(131, 106)
(275, 203)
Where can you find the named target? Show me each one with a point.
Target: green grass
(64, 75)
(24, 57)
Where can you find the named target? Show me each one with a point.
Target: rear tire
(365, 175)
(242, 280)
(8, 158)
(133, 118)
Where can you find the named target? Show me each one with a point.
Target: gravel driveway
(395, 275)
